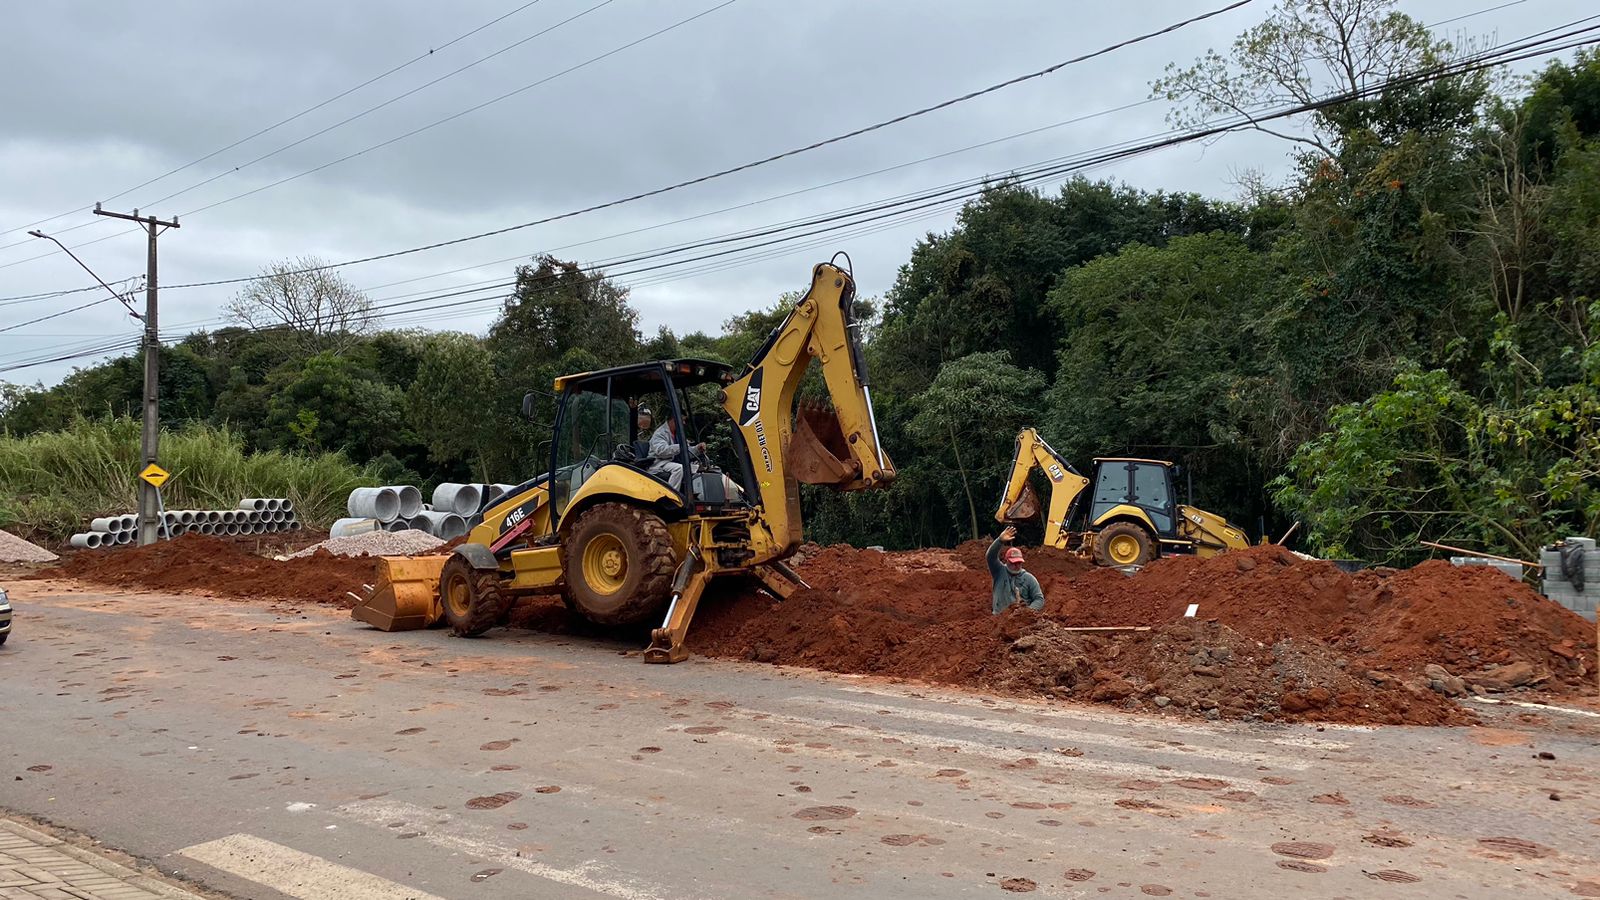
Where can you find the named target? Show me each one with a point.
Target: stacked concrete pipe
(462, 499)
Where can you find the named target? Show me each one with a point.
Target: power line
(348, 119)
(281, 122)
(1527, 48)
(415, 131)
(744, 166)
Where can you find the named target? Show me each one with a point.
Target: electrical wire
(1525, 49)
(348, 119)
(944, 104)
(282, 122)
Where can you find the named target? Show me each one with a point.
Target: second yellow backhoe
(627, 529)
(1132, 516)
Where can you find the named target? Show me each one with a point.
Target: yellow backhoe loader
(1132, 517)
(622, 536)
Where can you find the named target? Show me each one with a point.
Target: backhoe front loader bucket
(1027, 507)
(406, 595)
(818, 453)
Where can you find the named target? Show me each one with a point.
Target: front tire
(1123, 544)
(618, 563)
(471, 599)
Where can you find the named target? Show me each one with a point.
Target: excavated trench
(1276, 637)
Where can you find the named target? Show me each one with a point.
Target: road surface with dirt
(274, 750)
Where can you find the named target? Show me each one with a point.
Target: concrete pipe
(274, 504)
(185, 517)
(208, 515)
(461, 499)
(89, 540)
(126, 537)
(288, 506)
(255, 503)
(258, 527)
(357, 525)
(410, 499)
(293, 525)
(205, 528)
(231, 529)
(397, 525)
(443, 525)
(106, 523)
(130, 522)
(382, 503)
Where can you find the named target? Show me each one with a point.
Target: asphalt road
(270, 750)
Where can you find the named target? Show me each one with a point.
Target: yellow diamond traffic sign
(155, 475)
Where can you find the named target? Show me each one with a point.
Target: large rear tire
(618, 563)
(1123, 544)
(471, 599)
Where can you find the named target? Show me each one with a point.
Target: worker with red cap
(1012, 583)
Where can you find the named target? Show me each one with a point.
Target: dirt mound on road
(1276, 636)
(202, 564)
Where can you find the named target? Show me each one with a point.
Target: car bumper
(5, 620)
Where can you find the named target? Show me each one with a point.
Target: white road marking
(1545, 707)
(295, 874)
(1069, 736)
(1047, 759)
(1055, 710)
(479, 841)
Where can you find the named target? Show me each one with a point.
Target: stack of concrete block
(1574, 584)
(253, 515)
(1512, 569)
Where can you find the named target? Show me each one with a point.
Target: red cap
(1012, 555)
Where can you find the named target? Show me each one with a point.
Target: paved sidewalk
(36, 866)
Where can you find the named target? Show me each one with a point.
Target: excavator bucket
(818, 453)
(406, 595)
(1027, 507)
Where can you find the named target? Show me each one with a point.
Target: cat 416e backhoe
(1132, 519)
(604, 526)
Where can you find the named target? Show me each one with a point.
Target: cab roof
(1133, 459)
(685, 372)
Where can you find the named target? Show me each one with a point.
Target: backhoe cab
(622, 536)
(1133, 515)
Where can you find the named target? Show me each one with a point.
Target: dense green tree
(453, 371)
(1158, 346)
(966, 422)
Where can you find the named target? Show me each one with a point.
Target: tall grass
(52, 483)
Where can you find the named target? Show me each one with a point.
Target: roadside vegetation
(1399, 341)
(53, 482)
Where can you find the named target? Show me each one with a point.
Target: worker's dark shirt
(1008, 588)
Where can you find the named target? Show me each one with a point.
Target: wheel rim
(458, 596)
(605, 564)
(1124, 549)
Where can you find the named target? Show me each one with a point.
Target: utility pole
(149, 516)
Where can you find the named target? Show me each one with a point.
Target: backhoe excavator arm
(838, 448)
(1066, 485)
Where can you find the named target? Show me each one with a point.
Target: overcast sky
(103, 95)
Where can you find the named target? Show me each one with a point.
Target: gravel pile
(375, 543)
(15, 549)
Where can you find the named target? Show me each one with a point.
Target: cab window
(592, 425)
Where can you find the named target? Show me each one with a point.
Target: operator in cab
(664, 453)
(1012, 583)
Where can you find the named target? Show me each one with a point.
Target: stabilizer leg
(666, 642)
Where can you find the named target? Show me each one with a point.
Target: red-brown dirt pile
(204, 564)
(1276, 636)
